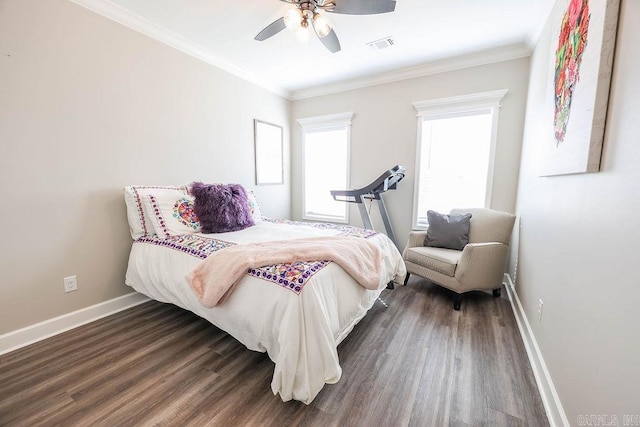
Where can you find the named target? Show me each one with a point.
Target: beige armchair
(479, 266)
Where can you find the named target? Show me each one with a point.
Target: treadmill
(387, 181)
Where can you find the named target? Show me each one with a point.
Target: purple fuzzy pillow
(221, 208)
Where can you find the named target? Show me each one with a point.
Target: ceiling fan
(308, 11)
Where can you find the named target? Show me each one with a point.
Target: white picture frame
(268, 152)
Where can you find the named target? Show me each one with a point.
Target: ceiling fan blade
(330, 41)
(363, 7)
(270, 30)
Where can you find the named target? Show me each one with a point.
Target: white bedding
(300, 332)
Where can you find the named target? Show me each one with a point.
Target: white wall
(384, 133)
(88, 106)
(580, 243)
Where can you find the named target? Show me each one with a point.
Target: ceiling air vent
(383, 43)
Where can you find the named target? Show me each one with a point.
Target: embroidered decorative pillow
(221, 208)
(448, 231)
(140, 219)
(172, 214)
(254, 207)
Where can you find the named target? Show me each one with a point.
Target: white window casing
(454, 107)
(313, 126)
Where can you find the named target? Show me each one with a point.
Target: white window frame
(327, 122)
(451, 107)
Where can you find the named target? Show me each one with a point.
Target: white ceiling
(429, 35)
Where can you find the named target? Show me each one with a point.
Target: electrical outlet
(70, 284)
(540, 306)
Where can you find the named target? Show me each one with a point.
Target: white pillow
(172, 214)
(256, 212)
(140, 220)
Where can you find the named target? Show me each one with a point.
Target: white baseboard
(548, 393)
(22, 337)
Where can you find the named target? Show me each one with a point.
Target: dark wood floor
(415, 363)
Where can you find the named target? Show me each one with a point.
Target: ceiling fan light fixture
(321, 25)
(293, 18)
(304, 13)
(302, 35)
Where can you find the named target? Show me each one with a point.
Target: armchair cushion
(441, 260)
(448, 231)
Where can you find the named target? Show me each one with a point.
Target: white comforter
(300, 332)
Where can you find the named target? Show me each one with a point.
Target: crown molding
(435, 67)
(138, 23)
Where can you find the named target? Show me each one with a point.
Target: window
(325, 163)
(454, 157)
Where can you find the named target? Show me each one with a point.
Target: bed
(298, 313)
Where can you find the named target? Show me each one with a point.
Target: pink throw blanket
(214, 278)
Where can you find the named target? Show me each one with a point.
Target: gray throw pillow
(447, 231)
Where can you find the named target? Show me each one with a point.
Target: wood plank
(416, 363)
(469, 400)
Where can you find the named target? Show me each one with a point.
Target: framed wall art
(583, 43)
(268, 150)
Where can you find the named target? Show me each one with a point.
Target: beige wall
(86, 107)
(384, 133)
(580, 244)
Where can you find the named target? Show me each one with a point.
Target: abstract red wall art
(571, 45)
(581, 49)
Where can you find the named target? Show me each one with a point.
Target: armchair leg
(496, 292)
(457, 300)
(406, 278)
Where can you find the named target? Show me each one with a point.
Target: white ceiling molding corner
(533, 38)
(137, 23)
